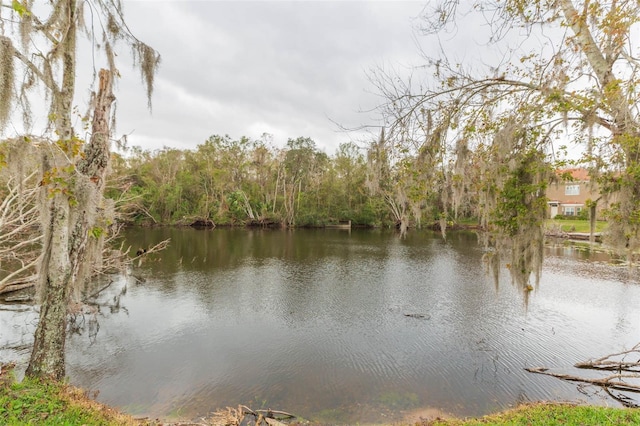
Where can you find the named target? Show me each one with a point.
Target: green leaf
(96, 232)
(19, 8)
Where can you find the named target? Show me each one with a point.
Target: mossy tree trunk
(47, 357)
(71, 232)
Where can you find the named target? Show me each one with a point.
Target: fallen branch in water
(282, 415)
(608, 381)
(626, 371)
(610, 363)
(96, 293)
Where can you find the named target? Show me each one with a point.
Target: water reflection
(314, 322)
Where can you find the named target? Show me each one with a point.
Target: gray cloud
(245, 68)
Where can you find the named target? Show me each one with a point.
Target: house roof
(577, 174)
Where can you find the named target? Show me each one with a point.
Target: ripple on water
(315, 324)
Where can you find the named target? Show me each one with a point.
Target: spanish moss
(148, 60)
(7, 75)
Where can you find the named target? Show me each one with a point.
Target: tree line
(238, 182)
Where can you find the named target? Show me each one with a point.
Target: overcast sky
(244, 68)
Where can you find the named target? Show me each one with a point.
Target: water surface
(315, 323)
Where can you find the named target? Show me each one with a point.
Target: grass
(574, 225)
(32, 402)
(549, 414)
(565, 225)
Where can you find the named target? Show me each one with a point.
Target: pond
(345, 326)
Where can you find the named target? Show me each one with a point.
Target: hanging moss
(7, 76)
(148, 60)
(623, 214)
(26, 23)
(513, 202)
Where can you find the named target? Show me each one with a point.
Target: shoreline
(35, 402)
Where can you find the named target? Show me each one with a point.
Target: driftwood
(610, 362)
(613, 381)
(627, 371)
(237, 416)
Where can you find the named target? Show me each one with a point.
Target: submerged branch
(626, 371)
(608, 363)
(613, 381)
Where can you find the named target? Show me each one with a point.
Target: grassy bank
(556, 225)
(574, 225)
(36, 403)
(549, 414)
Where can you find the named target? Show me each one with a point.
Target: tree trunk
(63, 107)
(592, 223)
(47, 357)
(67, 236)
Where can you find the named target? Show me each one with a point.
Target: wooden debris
(627, 378)
(237, 416)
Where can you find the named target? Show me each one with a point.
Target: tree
(263, 170)
(351, 201)
(410, 173)
(380, 181)
(301, 162)
(581, 86)
(73, 173)
(73, 238)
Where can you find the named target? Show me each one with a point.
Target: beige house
(569, 196)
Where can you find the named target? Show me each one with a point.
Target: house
(569, 194)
